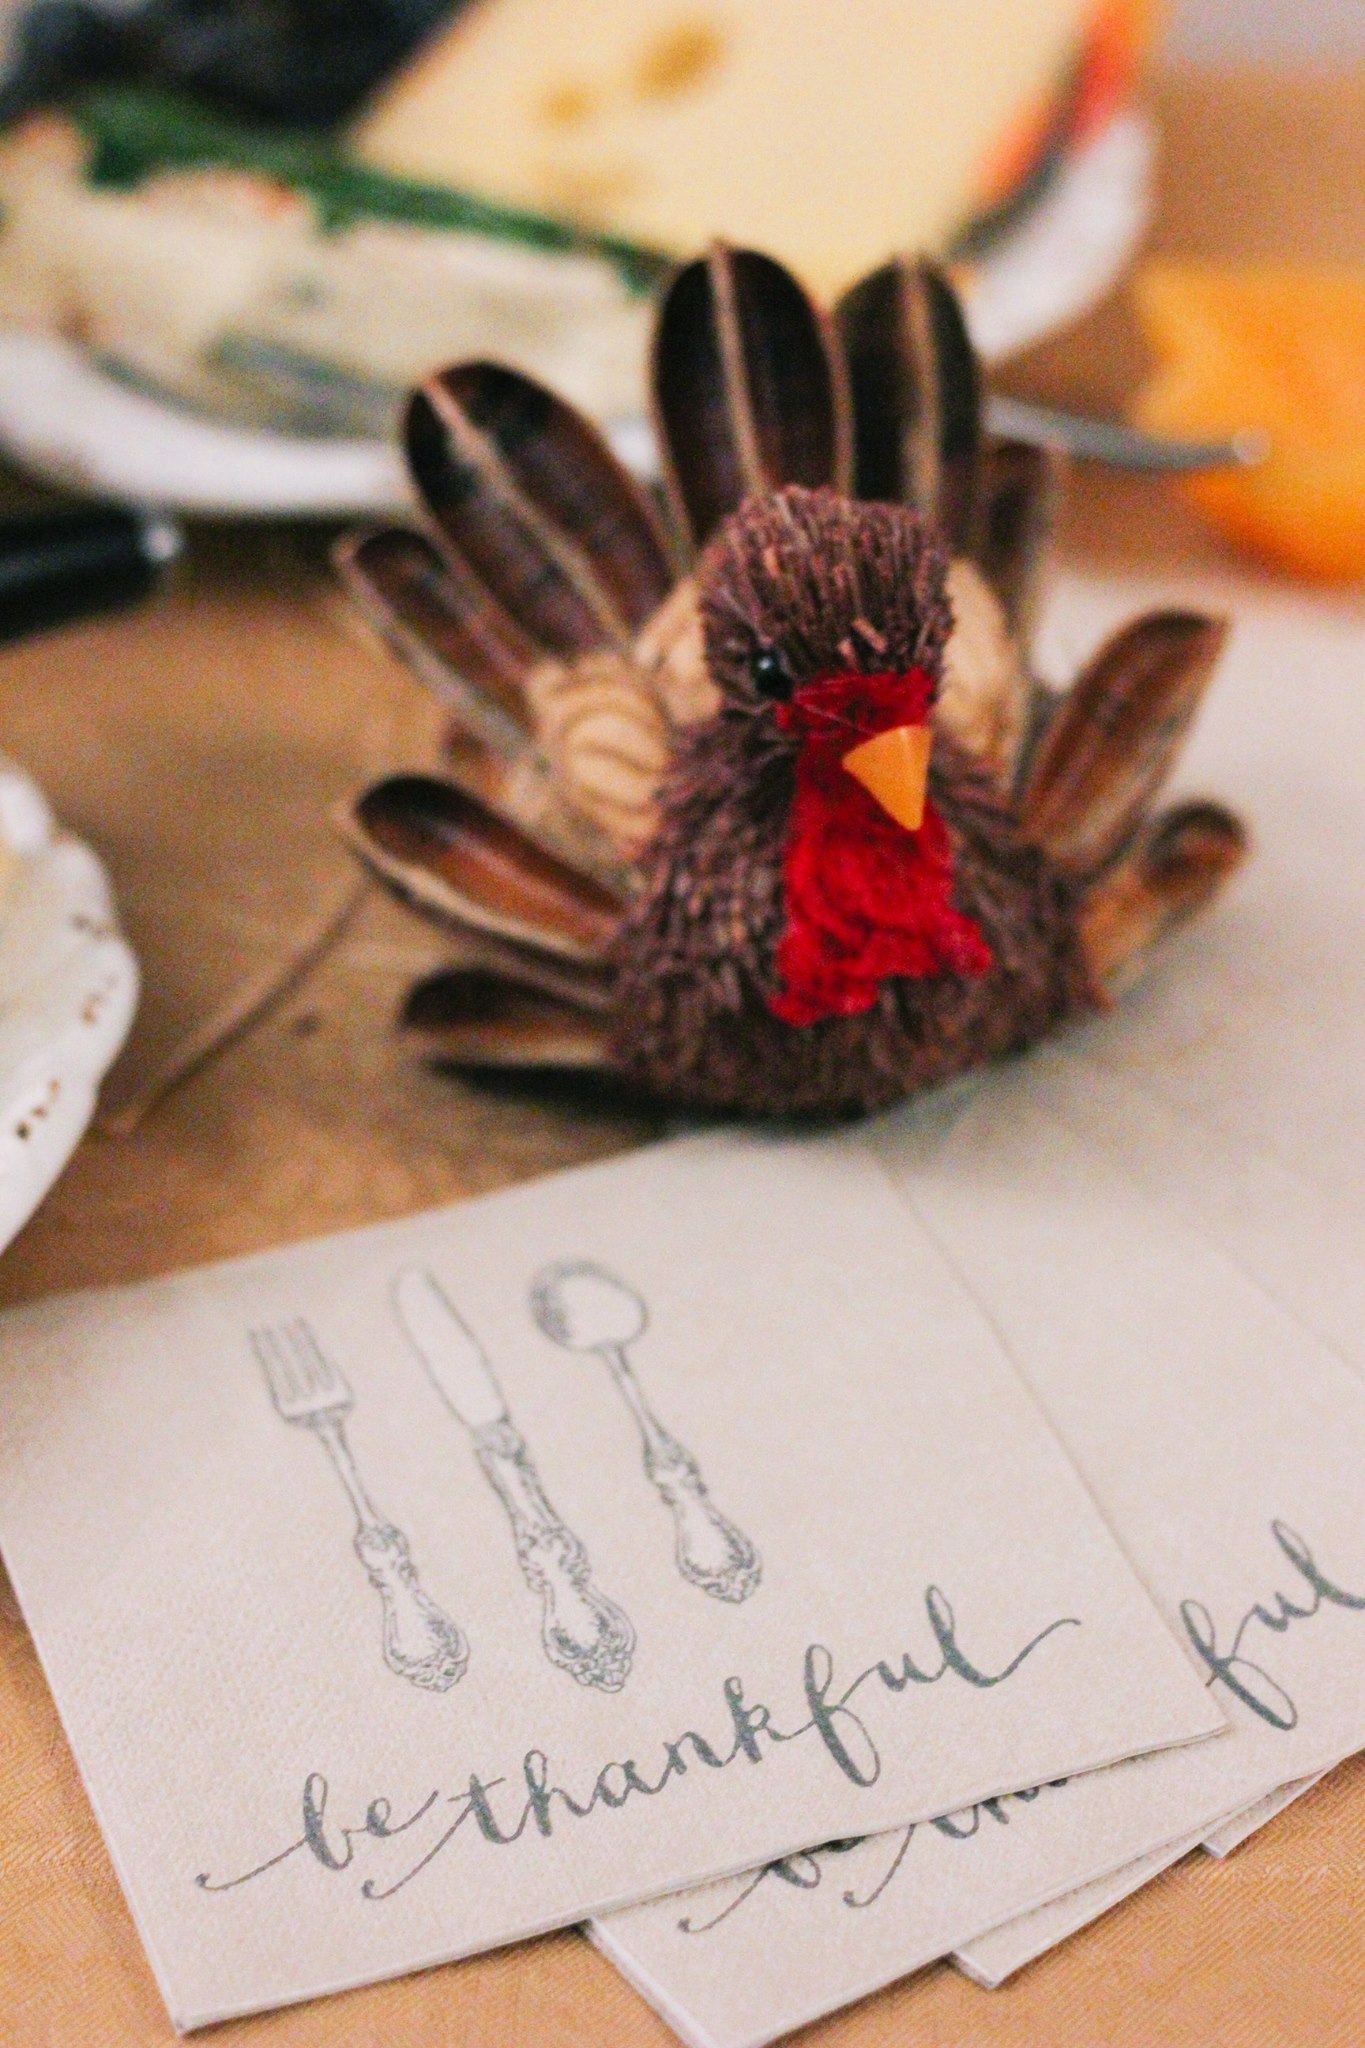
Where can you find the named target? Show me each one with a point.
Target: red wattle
(865, 899)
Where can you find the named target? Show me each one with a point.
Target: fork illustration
(420, 1643)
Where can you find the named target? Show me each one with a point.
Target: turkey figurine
(759, 808)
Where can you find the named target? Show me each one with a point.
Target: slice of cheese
(829, 132)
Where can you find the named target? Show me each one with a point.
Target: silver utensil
(1119, 445)
(585, 1309)
(583, 1632)
(420, 1643)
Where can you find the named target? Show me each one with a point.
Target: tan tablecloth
(199, 746)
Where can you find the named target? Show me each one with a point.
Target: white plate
(65, 420)
(68, 989)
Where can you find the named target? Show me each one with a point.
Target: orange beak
(894, 768)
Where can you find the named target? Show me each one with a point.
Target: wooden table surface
(200, 746)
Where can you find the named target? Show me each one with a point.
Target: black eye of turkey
(770, 674)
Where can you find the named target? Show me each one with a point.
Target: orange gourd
(1281, 349)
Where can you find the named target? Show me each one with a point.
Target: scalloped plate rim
(69, 1021)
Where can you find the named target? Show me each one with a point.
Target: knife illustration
(582, 1631)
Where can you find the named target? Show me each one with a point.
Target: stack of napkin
(800, 1557)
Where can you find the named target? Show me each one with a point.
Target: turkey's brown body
(695, 956)
(836, 498)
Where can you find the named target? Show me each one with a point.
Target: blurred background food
(285, 213)
(234, 232)
(1283, 345)
(271, 283)
(780, 124)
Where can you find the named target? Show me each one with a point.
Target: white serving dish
(68, 990)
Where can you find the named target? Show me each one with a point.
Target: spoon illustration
(585, 1309)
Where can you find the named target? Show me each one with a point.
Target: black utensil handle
(57, 567)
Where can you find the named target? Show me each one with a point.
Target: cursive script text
(807, 1872)
(536, 1803)
(1229, 1663)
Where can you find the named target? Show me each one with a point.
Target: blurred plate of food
(223, 317)
(68, 988)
